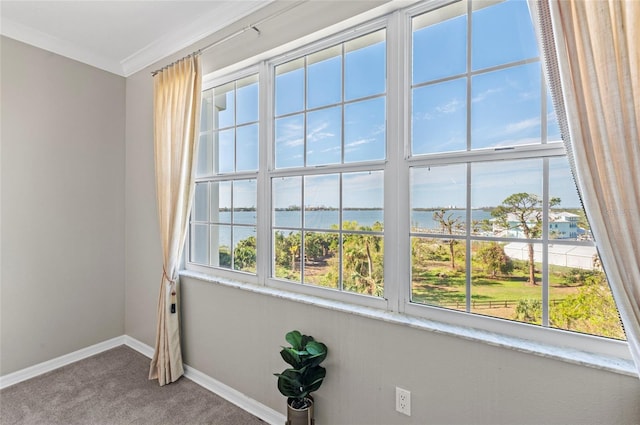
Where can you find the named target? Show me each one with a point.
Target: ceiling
(121, 37)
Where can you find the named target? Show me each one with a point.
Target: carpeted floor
(112, 388)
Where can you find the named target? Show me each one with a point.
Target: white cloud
(485, 94)
(358, 142)
(521, 125)
(450, 107)
(318, 133)
(294, 142)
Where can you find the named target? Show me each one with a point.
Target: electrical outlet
(403, 401)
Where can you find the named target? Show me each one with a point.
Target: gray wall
(234, 335)
(62, 214)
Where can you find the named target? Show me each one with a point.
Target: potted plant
(303, 377)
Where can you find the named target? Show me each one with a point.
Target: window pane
(433, 279)
(201, 202)
(512, 192)
(247, 99)
(322, 201)
(439, 117)
(221, 202)
(566, 219)
(287, 202)
(500, 282)
(199, 244)
(363, 200)
(244, 248)
(365, 130)
(287, 249)
(226, 152)
(502, 33)
(324, 136)
(580, 298)
(244, 201)
(324, 77)
(221, 246)
(206, 116)
(365, 66)
(439, 49)
(247, 148)
(553, 129)
(289, 142)
(438, 199)
(289, 92)
(362, 264)
(321, 265)
(205, 155)
(505, 107)
(225, 105)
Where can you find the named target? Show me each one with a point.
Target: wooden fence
(487, 304)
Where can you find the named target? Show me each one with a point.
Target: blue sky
(505, 105)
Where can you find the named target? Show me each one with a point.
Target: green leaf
(290, 384)
(315, 348)
(291, 356)
(305, 340)
(319, 351)
(295, 339)
(313, 378)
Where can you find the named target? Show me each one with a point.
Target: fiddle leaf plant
(305, 374)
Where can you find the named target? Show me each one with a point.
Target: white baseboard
(139, 346)
(58, 362)
(236, 397)
(247, 404)
(231, 395)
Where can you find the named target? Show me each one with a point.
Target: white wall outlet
(403, 401)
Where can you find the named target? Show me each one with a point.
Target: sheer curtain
(592, 53)
(176, 104)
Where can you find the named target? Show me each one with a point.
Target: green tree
(362, 265)
(494, 259)
(529, 311)
(287, 249)
(244, 255)
(450, 225)
(224, 257)
(319, 245)
(525, 210)
(591, 310)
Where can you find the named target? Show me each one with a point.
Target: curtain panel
(176, 104)
(591, 52)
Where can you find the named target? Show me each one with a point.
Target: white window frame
(335, 294)
(396, 304)
(208, 84)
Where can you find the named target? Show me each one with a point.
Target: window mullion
(265, 159)
(545, 242)
(397, 261)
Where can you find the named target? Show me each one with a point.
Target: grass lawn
(438, 284)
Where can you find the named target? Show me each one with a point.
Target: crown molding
(172, 42)
(199, 29)
(56, 45)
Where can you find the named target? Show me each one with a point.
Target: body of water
(326, 219)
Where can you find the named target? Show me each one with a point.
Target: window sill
(597, 361)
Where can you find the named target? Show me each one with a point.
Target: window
(491, 224)
(328, 226)
(223, 220)
(414, 164)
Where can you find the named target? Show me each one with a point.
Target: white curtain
(592, 54)
(176, 104)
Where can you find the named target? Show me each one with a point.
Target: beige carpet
(112, 388)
